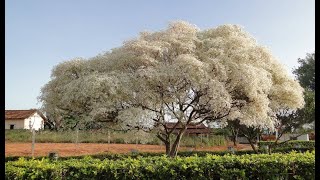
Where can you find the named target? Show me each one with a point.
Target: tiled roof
(194, 131)
(21, 114)
(191, 128)
(170, 125)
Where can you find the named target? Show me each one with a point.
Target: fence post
(77, 136)
(77, 139)
(108, 136)
(33, 141)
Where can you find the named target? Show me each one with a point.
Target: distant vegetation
(91, 136)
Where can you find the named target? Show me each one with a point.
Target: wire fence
(108, 136)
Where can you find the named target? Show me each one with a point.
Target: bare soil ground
(71, 149)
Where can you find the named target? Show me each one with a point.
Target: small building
(192, 129)
(290, 136)
(24, 119)
(272, 137)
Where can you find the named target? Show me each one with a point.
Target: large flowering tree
(180, 74)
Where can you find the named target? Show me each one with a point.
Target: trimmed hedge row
(112, 156)
(290, 144)
(256, 166)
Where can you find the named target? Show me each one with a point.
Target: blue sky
(40, 34)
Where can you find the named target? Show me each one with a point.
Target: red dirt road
(71, 149)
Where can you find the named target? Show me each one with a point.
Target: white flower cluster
(165, 72)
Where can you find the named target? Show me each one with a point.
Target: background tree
(251, 133)
(305, 73)
(290, 120)
(294, 120)
(179, 74)
(234, 128)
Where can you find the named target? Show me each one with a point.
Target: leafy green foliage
(112, 156)
(307, 114)
(91, 136)
(305, 73)
(289, 144)
(255, 166)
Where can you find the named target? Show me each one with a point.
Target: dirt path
(71, 149)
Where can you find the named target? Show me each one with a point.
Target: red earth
(72, 149)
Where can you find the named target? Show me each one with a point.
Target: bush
(18, 135)
(101, 136)
(197, 141)
(112, 156)
(294, 144)
(256, 166)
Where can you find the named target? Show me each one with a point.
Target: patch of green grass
(133, 137)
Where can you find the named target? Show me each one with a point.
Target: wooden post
(77, 139)
(108, 136)
(77, 136)
(194, 141)
(33, 141)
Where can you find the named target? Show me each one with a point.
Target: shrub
(112, 156)
(18, 135)
(294, 144)
(255, 166)
(90, 136)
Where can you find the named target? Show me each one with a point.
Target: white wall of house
(242, 140)
(18, 123)
(35, 121)
(285, 137)
(304, 137)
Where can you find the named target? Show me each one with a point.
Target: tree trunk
(269, 149)
(252, 145)
(175, 145)
(234, 136)
(168, 145)
(235, 141)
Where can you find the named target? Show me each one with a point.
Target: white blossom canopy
(177, 74)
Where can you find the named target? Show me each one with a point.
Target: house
(191, 130)
(271, 136)
(24, 119)
(291, 136)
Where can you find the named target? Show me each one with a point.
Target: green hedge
(255, 166)
(289, 145)
(112, 156)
